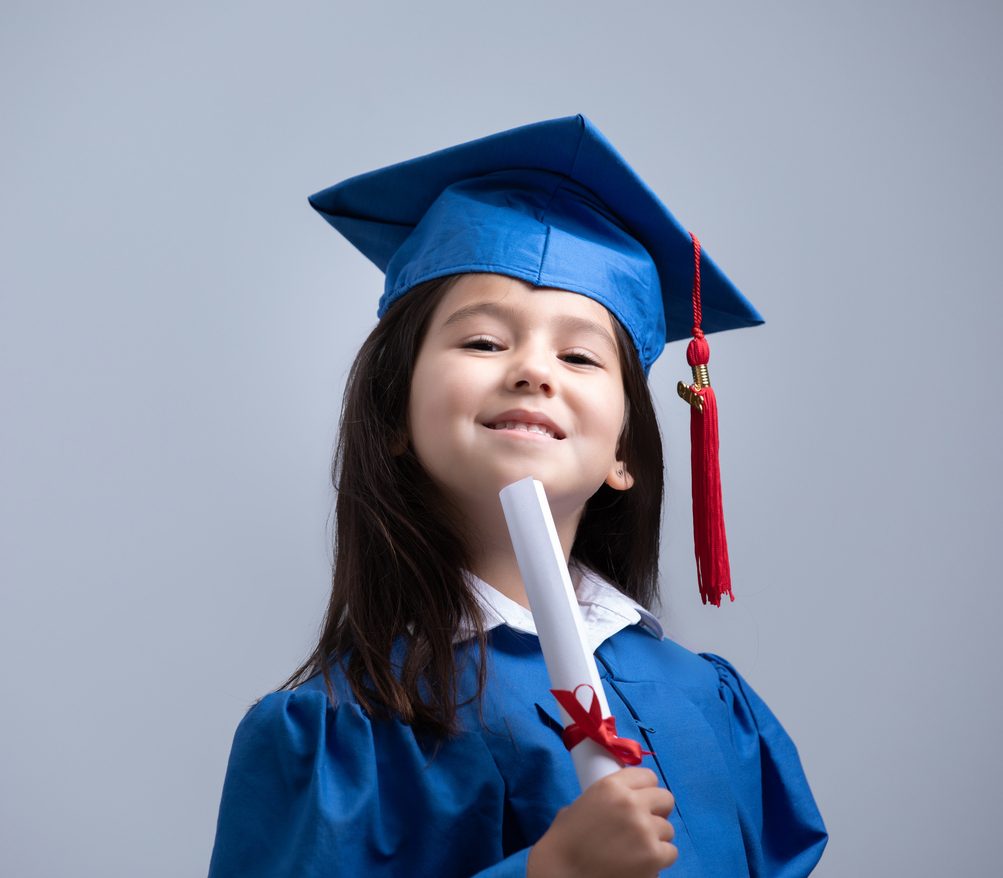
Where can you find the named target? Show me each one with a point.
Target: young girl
(531, 280)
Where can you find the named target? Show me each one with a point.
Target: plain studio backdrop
(177, 325)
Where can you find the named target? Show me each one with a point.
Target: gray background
(177, 325)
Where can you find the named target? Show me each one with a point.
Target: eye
(481, 343)
(577, 358)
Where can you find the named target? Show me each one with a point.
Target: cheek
(610, 424)
(436, 402)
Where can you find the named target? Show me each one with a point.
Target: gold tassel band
(701, 379)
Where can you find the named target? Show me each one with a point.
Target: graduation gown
(316, 790)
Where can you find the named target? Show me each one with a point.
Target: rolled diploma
(555, 611)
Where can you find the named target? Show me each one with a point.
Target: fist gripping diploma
(617, 828)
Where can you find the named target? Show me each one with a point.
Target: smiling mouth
(522, 427)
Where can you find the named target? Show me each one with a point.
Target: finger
(670, 853)
(664, 831)
(656, 800)
(637, 778)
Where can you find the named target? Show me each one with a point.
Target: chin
(562, 492)
(561, 496)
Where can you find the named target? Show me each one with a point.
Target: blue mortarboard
(552, 203)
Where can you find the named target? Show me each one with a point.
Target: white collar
(605, 609)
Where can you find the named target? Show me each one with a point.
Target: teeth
(519, 425)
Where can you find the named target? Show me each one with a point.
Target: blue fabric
(552, 203)
(313, 790)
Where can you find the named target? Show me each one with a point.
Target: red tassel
(709, 539)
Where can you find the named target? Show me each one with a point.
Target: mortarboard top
(552, 203)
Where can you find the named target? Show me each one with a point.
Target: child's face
(499, 351)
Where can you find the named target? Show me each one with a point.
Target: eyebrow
(564, 321)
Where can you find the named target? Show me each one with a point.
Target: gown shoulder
(315, 787)
(783, 829)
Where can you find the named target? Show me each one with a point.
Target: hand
(617, 828)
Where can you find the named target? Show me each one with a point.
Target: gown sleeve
(781, 826)
(314, 789)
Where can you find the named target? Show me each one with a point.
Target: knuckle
(608, 784)
(636, 823)
(620, 797)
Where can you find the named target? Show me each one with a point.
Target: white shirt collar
(605, 609)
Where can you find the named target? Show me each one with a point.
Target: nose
(531, 371)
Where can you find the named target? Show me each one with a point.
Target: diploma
(570, 663)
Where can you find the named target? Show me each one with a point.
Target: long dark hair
(399, 550)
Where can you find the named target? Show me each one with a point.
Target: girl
(531, 280)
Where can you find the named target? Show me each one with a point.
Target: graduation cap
(554, 204)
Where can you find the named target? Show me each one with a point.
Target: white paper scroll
(555, 611)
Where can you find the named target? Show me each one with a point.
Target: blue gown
(313, 790)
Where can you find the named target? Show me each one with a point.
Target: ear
(618, 478)
(399, 444)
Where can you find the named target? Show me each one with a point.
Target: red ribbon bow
(591, 725)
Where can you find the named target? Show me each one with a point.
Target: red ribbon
(590, 724)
